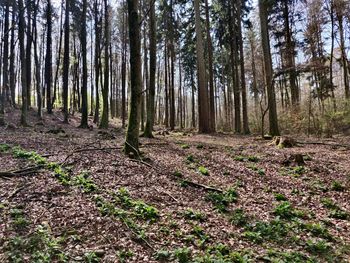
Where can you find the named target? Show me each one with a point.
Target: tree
(84, 106)
(105, 111)
(210, 70)
(4, 90)
(48, 60)
(152, 67)
(97, 60)
(132, 134)
(66, 63)
(203, 103)
(269, 83)
(21, 30)
(340, 7)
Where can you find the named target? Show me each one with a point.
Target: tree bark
(152, 70)
(265, 42)
(203, 103)
(66, 63)
(132, 135)
(105, 89)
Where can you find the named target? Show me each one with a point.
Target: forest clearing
(194, 198)
(203, 131)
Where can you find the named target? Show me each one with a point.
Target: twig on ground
(206, 187)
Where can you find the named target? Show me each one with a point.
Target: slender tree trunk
(28, 52)
(97, 62)
(12, 58)
(66, 63)
(105, 89)
(21, 32)
(58, 61)
(294, 90)
(4, 90)
(274, 131)
(123, 73)
(37, 62)
(48, 60)
(84, 98)
(132, 135)
(193, 102)
(344, 60)
(210, 70)
(203, 102)
(242, 68)
(152, 70)
(166, 119)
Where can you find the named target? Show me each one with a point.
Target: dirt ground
(310, 202)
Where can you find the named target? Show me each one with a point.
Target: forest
(204, 131)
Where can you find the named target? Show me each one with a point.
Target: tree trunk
(28, 52)
(84, 98)
(242, 68)
(66, 63)
(105, 87)
(48, 60)
(123, 110)
(265, 42)
(4, 90)
(210, 70)
(203, 103)
(152, 71)
(132, 135)
(21, 32)
(12, 59)
(37, 63)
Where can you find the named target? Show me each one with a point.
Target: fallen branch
(21, 172)
(90, 150)
(206, 187)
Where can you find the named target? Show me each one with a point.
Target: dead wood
(21, 172)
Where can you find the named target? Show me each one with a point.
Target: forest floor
(193, 198)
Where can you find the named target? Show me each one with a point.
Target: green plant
(337, 186)
(249, 158)
(190, 158)
(335, 211)
(274, 230)
(285, 210)
(178, 174)
(203, 170)
(286, 257)
(339, 214)
(183, 255)
(222, 200)
(318, 246)
(124, 255)
(328, 203)
(280, 197)
(145, 211)
(190, 214)
(185, 146)
(85, 182)
(200, 146)
(18, 152)
(91, 257)
(61, 175)
(4, 147)
(20, 222)
(318, 230)
(298, 170)
(238, 218)
(162, 255)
